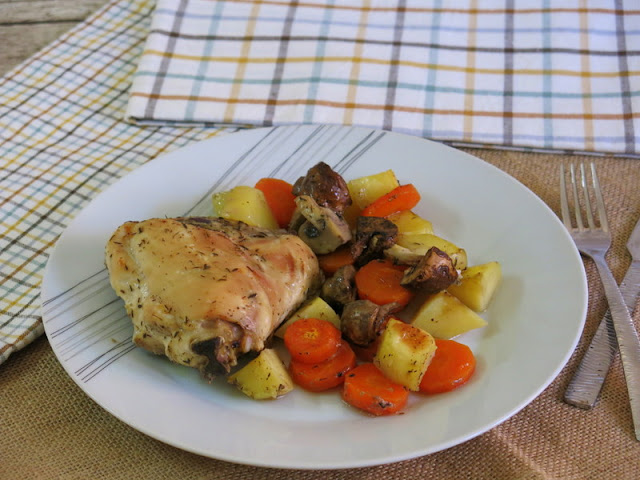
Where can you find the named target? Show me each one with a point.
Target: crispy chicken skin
(204, 291)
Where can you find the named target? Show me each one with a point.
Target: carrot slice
(325, 375)
(279, 198)
(379, 282)
(312, 340)
(368, 389)
(451, 366)
(331, 262)
(404, 197)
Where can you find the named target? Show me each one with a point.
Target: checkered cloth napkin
(63, 140)
(528, 74)
(538, 76)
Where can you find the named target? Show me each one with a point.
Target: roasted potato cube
(365, 190)
(477, 285)
(409, 223)
(421, 243)
(351, 214)
(404, 353)
(246, 204)
(264, 377)
(444, 316)
(316, 308)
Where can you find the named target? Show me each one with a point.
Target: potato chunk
(421, 243)
(315, 308)
(409, 223)
(404, 353)
(265, 377)
(246, 204)
(444, 316)
(477, 285)
(365, 190)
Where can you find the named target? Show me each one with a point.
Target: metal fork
(594, 242)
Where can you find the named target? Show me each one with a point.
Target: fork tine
(576, 199)
(564, 202)
(587, 200)
(602, 212)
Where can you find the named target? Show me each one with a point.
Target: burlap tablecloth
(50, 429)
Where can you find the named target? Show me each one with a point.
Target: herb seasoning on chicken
(204, 291)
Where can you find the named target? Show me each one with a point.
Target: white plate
(534, 322)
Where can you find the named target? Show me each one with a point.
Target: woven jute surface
(50, 429)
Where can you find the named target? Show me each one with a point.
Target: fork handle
(627, 336)
(585, 386)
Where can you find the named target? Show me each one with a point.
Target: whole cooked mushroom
(325, 186)
(433, 273)
(373, 236)
(319, 227)
(362, 320)
(340, 289)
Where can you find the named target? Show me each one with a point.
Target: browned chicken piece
(204, 291)
(340, 289)
(433, 273)
(373, 236)
(325, 186)
(362, 320)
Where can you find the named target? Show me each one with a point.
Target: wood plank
(26, 26)
(47, 11)
(16, 45)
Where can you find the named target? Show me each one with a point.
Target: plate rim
(346, 463)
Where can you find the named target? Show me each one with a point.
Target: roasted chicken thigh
(204, 291)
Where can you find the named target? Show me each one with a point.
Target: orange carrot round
(366, 388)
(404, 197)
(279, 198)
(331, 262)
(324, 375)
(379, 282)
(451, 366)
(312, 340)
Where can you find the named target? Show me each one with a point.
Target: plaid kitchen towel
(62, 140)
(529, 74)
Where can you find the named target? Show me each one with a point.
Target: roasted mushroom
(319, 227)
(373, 236)
(433, 273)
(362, 320)
(402, 255)
(339, 290)
(325, 186)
